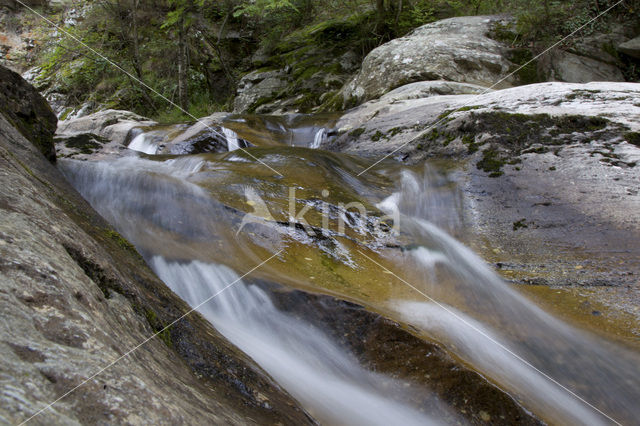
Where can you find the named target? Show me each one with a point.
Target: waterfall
(556, 369)
(319, 138)
(328, 380)
(232, 139)
(144, 143)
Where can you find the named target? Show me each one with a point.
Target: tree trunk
(183, 95)
(380, 11)
(136, 47)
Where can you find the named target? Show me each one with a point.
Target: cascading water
(232, 139)
(319, 138)
(167, 210)
(324, 377)
(144, 143)
(534, 354)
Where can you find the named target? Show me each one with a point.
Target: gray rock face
(455, 49)
(426, 89)
(560, 65)
(631, 47)
(110, 131)
(23, 107)
(76, 297)
(258, 86)
(542, 166)
(411, 118)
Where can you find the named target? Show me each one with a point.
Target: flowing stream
(203, 219)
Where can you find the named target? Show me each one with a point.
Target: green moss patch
(85, 143)
(377, 136)
(162, 331)
(520, 224)
(516, 134)
(633, 138)
(491, 163)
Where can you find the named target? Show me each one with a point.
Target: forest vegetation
(194, 52)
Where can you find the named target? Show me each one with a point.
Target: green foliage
(256, 8)
(306, 35)
(181, 11)
(415, 15)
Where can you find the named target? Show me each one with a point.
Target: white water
(232, 139)
(501, 333)
(327, 380)
(144, 143)
(319, 138)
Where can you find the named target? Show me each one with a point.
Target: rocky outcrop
(545, 166)
(76, 298)
(455, 49)
(589, 58)
(27, 111)
(108, 131)
(426, 89)
(258, 87)
(631, 47)
(303, 70)
(111, 124)
(560, 65)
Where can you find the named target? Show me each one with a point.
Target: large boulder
(111, 124)
(455, 49)
(27, 111)
(259, 87)
(586, 59)
(560, 65)
(76, 297)
(631, 47)
(108, 131)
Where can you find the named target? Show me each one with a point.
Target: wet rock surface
(549, 174)
(76, 297)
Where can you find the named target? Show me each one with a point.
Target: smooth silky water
(187, 215)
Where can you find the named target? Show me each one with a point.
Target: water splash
(319, 139)
(232, 139)
(144, 143)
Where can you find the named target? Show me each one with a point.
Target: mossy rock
(86, 143)
(514, 134)
(633, 138)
